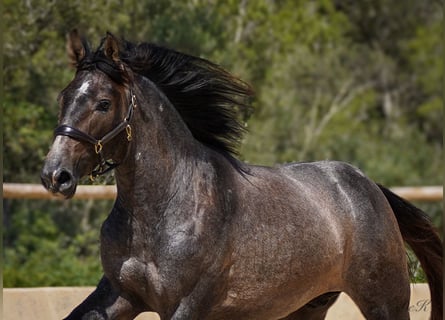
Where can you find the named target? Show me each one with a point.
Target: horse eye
(103, 105)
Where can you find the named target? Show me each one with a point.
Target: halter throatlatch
(104, 165)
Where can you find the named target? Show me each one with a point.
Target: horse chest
(129, 268)
(137, 263)
(121, 253)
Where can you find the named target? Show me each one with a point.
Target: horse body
(196, 234)
(179, 249)
(182, 262)
(290, 257)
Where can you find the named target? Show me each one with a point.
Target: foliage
(47, 246)
(334, 79)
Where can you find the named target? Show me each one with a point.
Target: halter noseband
(104, 165)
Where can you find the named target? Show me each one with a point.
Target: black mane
(210, 100)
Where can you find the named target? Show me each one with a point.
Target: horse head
(96, 109)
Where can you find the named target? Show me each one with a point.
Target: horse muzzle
(59, 180)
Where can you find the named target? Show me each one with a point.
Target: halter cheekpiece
(104, 165)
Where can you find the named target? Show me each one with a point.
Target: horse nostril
(62, 176)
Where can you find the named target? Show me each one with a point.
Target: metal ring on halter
(98, 147)
(128, 130)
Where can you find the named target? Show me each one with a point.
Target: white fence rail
(35, 191)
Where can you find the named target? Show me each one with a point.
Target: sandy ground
(55, 303)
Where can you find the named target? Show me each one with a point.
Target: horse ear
(111, 48)
(76, 47)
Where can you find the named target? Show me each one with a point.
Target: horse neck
(162, 158)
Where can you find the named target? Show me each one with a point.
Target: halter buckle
(128, 131)
(98, 147)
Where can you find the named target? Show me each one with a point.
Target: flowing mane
(211, 101)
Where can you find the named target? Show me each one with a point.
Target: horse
(194, 232)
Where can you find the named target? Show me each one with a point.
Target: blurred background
(357, 81)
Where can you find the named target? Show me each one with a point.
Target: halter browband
(104, 165)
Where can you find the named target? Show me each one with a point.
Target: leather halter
(104, 165)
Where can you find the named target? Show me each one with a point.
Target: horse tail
(419, 233)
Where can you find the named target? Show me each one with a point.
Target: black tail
(421, 236)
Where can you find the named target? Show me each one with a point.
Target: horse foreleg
(104, 303)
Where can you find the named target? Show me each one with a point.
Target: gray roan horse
(196, 234)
